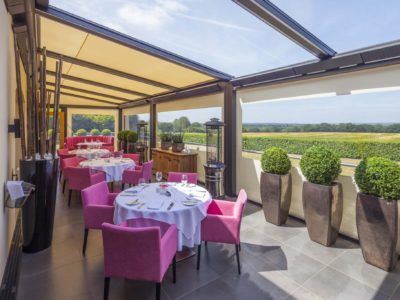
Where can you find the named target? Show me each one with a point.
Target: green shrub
(131, 136)
(320, 165)
(81, 132)
(106, 132)
(178, 138)
(165, 137)
(380, 177)
(95, 132)
(276, 161)
(122, 135)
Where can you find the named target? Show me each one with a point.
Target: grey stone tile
(292, 263)
(331, 284)
(258, 243)
(352, 264)
(303, 294)
(282, 233)
(319, 252)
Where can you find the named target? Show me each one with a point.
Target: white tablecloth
(91, 144)
(154, 205)
(90, 153)
(113, 167)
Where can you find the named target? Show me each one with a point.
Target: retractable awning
(102, 67)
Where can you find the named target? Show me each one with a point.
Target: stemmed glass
(184, 179)
(159, 176)
(141, 181)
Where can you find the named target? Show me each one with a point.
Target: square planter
(323, 210)
(377, 220)
(276, 194)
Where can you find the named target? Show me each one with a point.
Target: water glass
(141, 181)
(158, 176)
(184, 179)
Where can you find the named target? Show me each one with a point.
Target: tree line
(89, 122)
(322, 127)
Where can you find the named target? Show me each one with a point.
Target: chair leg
(64, 186)
(85, 241)
(198, 256)
(174, 269)
(112, 186)
(59, 179)
(240, 246)
(158, 290)
(237, 258)
(106, 287)
(205, 243)
(122, 186)
(69, 198)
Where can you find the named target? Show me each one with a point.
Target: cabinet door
(174, 164)
(163, 164)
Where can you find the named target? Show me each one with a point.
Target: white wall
(8, 154)
(248, 170)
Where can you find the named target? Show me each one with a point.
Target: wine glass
(141, 181)
(184, 179)
(159, 176)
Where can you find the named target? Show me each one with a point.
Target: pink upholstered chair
(222, 224)
(177, 177)
(131, 176)
(98, 207)
(63, 154)
(134, 156)
(138, 253)
(81, 178)
(64, 164)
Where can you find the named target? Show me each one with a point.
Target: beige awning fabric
(99, 68)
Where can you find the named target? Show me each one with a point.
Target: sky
(220, 34)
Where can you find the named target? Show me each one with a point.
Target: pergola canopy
(104, 68)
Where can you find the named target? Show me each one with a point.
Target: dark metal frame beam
(99, 84)
(230, 140)
(266, 11)
(187, 93)
(126, 40)
(372, 57)
(71, 88)
(87, 98)
(100, 68)
(153, 125)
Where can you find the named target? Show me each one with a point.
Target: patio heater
(214, 167)
(141, 145)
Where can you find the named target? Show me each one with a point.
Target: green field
(348, 145)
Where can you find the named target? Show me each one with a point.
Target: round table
(90, 153)
(113, 167)
(184, 205)
(90, 144)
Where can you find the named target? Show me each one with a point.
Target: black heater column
(214, 167)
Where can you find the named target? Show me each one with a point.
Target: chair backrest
(69, 162)
(147, 168)
(134, 156)
(95, 194)
(132, 253)
(78, 178)
(62, 151)
(240, 204)
(177, 177)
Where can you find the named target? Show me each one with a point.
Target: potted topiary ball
(378, 180)
(166, 140)
(106, 132)
(122, 136)
(81, 132)
(177, 142)
(95, 132)
(131, 138)
(322, 197)
(275, 185)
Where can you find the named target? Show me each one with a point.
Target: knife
(170, 206)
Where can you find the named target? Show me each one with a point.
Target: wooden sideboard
(167, 161)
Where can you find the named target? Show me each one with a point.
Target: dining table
(113, 167)
(90, 153)
(182, 204)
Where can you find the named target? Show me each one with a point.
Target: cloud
(150, 15)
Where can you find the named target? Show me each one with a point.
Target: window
(362, 123)
(130, 121)
(89, 124)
